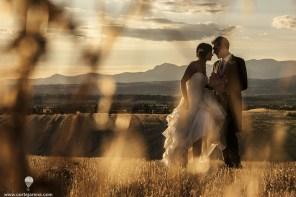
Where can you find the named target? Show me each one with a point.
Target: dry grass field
(136, 177)
(268, 135)
(76, 158)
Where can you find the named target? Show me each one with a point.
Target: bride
(198, 117)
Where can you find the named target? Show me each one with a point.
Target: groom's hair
(219, 40)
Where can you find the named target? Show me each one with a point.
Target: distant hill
(266, 77)
(58, 79)
(282, 86)
(257, 69)
(269, 69)
(163, 72)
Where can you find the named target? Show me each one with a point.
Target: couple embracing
(209, 114)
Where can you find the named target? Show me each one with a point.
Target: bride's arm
(188, 73)
(184, 91)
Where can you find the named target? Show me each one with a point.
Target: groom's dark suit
(233, 76)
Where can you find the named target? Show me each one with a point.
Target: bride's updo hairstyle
(203, 49)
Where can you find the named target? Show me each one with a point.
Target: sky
(166, 31)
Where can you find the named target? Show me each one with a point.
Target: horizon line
(133, 72)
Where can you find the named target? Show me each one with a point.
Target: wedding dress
(202, 119)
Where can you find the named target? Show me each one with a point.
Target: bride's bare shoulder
(192, 69)
(194, 63)
(194, 66)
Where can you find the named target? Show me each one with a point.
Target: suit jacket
(234, 77)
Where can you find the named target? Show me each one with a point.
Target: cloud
(186, 32)
(162, 21)
(150, 26)
(7, 34)
(4, 31)
(284, 22)
(75, 10)
(189, 7)
(159, 29)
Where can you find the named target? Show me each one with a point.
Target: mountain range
(257, 69)
(283, 86)
(266, 77)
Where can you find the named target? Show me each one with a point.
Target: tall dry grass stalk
(33, 19)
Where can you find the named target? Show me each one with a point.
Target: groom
(229, 78)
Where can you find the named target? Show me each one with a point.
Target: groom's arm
(243, 74)
(215, 67)
(213, 78)
(213, 74)
(233, 78)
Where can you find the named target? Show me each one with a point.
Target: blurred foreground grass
(135, 177)
(268, 135)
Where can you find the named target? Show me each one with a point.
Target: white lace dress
(203, 118)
